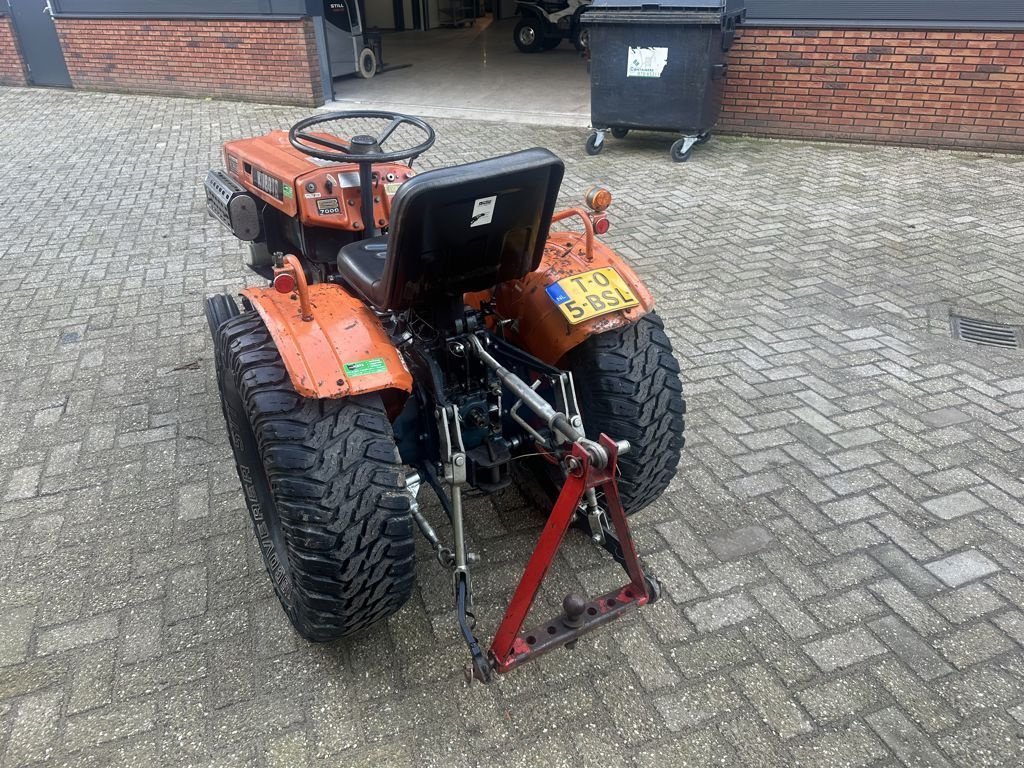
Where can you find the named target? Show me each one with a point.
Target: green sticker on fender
(365, 367)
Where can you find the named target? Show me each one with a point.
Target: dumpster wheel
(682, 149)
(595, 143)
(620, 133)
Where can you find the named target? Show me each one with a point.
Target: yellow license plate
(590, 294)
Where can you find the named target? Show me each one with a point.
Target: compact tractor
(431, 329)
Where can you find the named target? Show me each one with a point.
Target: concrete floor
(475, 73)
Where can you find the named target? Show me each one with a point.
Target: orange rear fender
(343, 350)
(540, 328)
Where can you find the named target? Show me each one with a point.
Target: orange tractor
(430, 329)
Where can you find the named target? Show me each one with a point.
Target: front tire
(529, 35)
(324, 486)
(367, 63)
(581, 38)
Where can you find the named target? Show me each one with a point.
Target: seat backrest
(469, 227)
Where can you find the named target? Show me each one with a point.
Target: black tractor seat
(456, 230)
(362, 266)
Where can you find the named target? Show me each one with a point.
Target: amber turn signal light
(598, 199)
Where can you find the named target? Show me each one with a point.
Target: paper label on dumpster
(646, 62)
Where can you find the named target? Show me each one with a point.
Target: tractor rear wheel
(628, 387)
(324, 486)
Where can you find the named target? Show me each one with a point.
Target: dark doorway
(40, 47)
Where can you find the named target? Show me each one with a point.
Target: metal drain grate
(987, 333)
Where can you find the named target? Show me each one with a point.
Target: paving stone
(852, 509)
(962, 567)
(632, 715)
(913, 576)
(850, 538)
(193, 501)
(720, 612)
(753, 744)
(848, 746)
(740, 543)
(772, 701)
(1012, 623)
(685, 543)
(187, 594)
(906, 644)
(846, 571)
(92, 680)
(651, 668)
(975, 643)
(775, 647)
(967, 603)
(841, 696)
(945, 417)
(915, 612)
(689, 706)
(785, 611)
(24, 482)
(797, 579)
(15, 632)
(978, 689)
(850, 607)
(910, 745)
(906, 538)
(702, 747)
(20, 679)
(992, 742)
(917, 699)
(678, 581)
(110, 723)
(954, 505)
(728, 576)
(843, 650)
(77, 634)
(34, 730)
(708, 654)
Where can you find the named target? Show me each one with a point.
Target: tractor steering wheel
(361, 148)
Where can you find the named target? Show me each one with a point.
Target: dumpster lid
(726, 7)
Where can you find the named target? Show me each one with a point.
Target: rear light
(284, 282)
(601, 223)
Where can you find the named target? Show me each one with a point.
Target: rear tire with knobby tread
(628, 387)
(324, 486)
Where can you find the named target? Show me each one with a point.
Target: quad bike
(546, 23)
(430, 329)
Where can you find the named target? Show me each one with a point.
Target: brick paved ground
(843, 547)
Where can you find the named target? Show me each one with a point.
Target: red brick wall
(12, 72)
(270, 61)
(932, 88)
